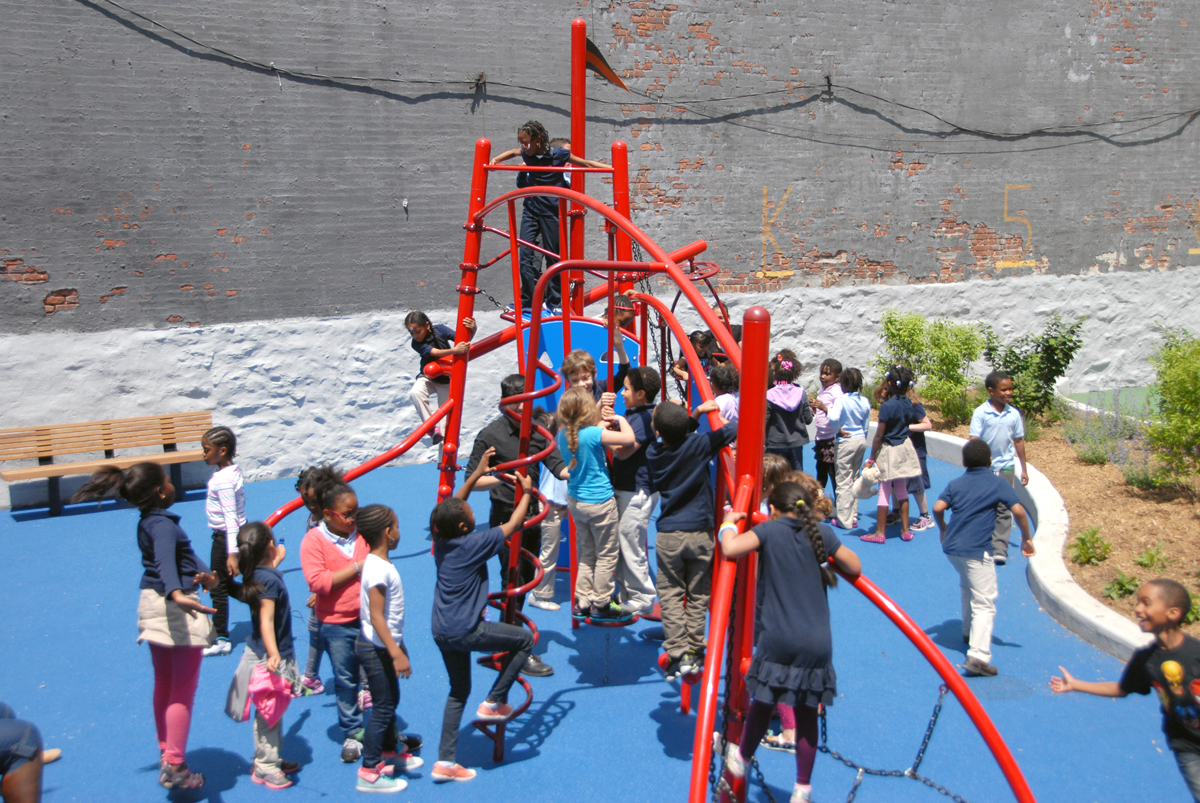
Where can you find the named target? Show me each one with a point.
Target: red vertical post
(466, 309)
(579, 148)
(620, 179)
(515, 257)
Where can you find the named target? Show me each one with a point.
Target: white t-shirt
(379, 573)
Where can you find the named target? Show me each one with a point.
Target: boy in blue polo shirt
(999, 424)
(975, 499)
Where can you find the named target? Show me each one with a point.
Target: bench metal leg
(177, 476)
(55, 497)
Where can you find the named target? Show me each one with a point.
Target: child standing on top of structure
(591, 499)
(539, 216)
(433, 341)
(999, 424)
(636, 500)
(974, 498)
(893, 452)
(679, 472)
(788, 412)
(225, 507)
(826, 445)
(850, 414)
(793, 651)
(461, 553)
(1169, 666)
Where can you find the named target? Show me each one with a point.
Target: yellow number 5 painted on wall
(766, 235)
(1024, 262)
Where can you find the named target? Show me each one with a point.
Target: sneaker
(271, 780)
(975, 668)
(435, 438)
(835, 522)
(289, 767)
(411, 741)
(313, 684)
(403, 760)
(511, 309)
(351, 751)
(370, 781)
(364, 700)
(906, 535)
(179, 777)
(220, 647)
(673, 671)
(923, 523)
(580, 611)
(553, 312)
(493, 712)
(893, 517)
(733, 761)
(854, 522)
(544, 604)
(612, 612)
(1000, 560)
(800, 795)
(537, 668)
(692, 663)
(450, 772)
(873, 539)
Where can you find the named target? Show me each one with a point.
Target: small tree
(939, 352)
(1174, 431)
(1035, 362)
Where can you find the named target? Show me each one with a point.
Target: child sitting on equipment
(433, 341)
(1169, 666)
(460, 596)
(679, 472)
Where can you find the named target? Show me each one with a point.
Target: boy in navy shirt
(679, 472)
(635, 498)
(967, 541)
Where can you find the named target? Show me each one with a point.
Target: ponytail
(791, 497)
(253, 539)
(138, 485)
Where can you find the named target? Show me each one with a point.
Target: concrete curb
(1052, 585)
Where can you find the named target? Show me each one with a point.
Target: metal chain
(911, 772)
(488, 296)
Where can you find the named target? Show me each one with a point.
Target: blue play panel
(604, 728)
(588, 336)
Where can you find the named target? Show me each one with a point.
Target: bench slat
(98, 436)
(88, 466)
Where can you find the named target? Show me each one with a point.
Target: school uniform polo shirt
(972, 499)
(998, 430)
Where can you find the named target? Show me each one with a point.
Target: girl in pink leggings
(170, 615)
(892, 450)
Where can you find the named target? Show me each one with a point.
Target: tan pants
(850, 454)
(684, 583)
(597, 549)
(422, 394)
(267, 742)
(551, 536)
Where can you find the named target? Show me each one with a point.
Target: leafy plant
(1033, 429)
(1174, 431)
(1193, 615)
(939, 352)
(1100, 437)
(1153, 559)
(1121, 587)
(1035, 362)
(1089, 549)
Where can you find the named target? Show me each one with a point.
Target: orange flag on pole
(597, 63)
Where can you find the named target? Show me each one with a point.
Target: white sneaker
(734, 762)
(544, 604)
(220, 647)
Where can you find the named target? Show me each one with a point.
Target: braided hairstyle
(222, 437)
(536, 133)
(373, 521)
(576, 409)
(791, 498)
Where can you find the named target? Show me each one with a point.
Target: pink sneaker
(874, 539)
(314, 684)
(498, 712)
(403, 760)
(451, 772)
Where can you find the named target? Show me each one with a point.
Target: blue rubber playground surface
(604, 727)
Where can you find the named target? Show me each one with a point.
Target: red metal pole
(620, 179)
(518, 312)
(579, 148)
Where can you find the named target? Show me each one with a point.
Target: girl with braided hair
(793, 652)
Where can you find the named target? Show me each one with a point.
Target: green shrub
(1033, 429)
(1089, 549)
(1193, 615)
(1035, 362)
(1153, 559)
(1098, 438)
(940, 353)
(1174, 431)
(1121, 587)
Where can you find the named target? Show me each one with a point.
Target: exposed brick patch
(60, 300)
(174, 318)
(911, 169)
(15, 270)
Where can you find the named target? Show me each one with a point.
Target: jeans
(20, 741)
(338, 642)
(977, 580)
(312, 669)
(1189, 765)
(542, 230)
(794, 456)
(380, 735)
(456, 653)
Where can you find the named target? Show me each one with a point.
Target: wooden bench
(57, 440)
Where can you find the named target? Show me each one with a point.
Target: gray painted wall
(148, 181)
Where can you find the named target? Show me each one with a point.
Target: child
(894, 452)
(433, 342)
(331, 557)
(679, 472)
(724, 380)
(623, 311)
(591, 500)
(788, 414)
(635, 498)
(461, 554)
(579, 369)
(225, 507)
(974, 498)
(850, 415)
(170, 615)
(555, 491)
(793, 652)
(381, 652)
(310, 485)
(917, 486)
(1000, 424)
(702, 342)
(270, 646)
(826, 445)
(539, 216)
(1169, 666)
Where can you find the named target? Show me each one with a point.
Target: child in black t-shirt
(1170, 666)
(433, 341)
